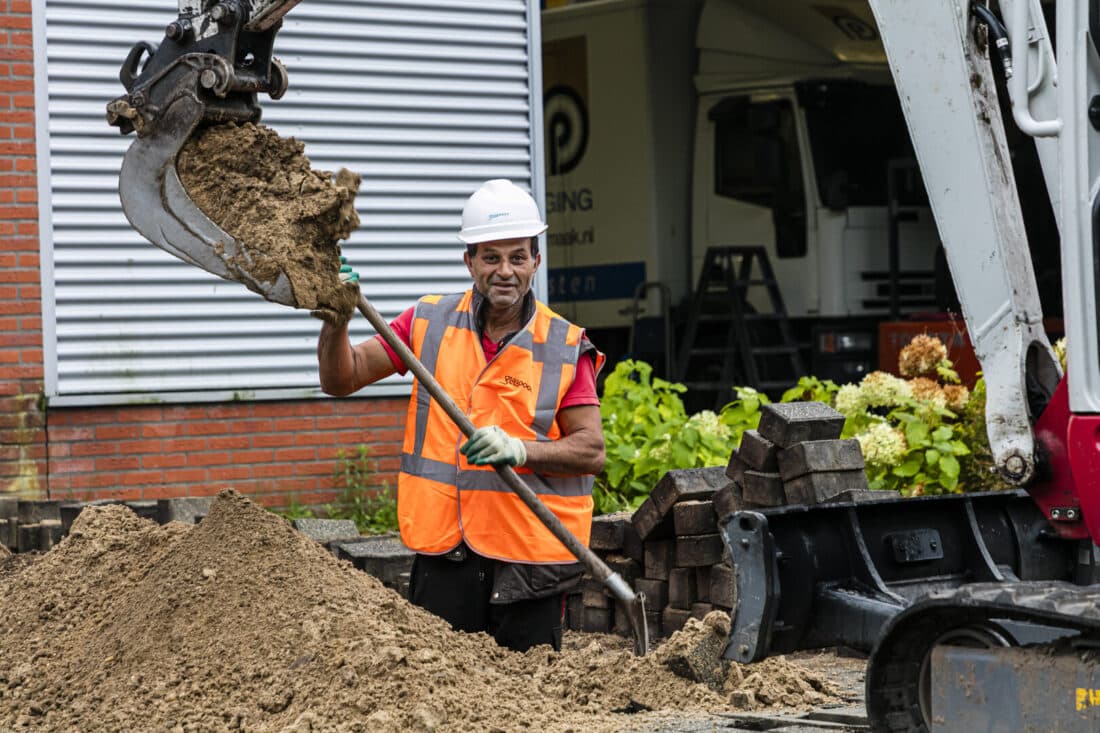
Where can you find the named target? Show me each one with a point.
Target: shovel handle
(591, 560)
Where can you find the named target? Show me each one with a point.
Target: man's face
(503, 270)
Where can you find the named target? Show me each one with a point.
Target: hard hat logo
(500, 210)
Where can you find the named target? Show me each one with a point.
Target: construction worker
(527, 379)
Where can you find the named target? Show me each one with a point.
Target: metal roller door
(424, 99)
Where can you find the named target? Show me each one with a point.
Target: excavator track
(971, 615)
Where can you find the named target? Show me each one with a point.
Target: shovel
(158, 206)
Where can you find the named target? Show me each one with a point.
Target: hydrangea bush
(921, 433)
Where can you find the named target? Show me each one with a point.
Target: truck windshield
(855, 130)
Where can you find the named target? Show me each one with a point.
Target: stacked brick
(796, 457)
(670, 549)
(30, 526)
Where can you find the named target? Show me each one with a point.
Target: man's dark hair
(471, 249)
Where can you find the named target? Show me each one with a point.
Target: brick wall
(277, 451)
(273, 451)
(22, 437)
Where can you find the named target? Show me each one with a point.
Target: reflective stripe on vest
(442, 499)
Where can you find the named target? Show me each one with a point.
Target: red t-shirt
(581, 392)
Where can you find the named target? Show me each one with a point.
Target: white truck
(677, 125)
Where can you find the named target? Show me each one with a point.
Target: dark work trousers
(460, 592)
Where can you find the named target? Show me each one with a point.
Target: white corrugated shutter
(424, 98)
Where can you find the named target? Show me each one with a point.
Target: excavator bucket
(214, 59)
(157, 205)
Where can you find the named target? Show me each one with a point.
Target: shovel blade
(639, 629)
(159, 208)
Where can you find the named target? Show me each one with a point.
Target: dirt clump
(243, 624)
(287, 217)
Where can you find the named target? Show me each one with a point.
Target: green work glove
(330, 315)
(491, 446)
(347, 275)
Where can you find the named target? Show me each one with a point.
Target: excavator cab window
(757, 160)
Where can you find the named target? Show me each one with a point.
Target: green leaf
(949, 465)
(916, 432)
(909, 468)
(931, 456)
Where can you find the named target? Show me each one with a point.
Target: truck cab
(731, 122)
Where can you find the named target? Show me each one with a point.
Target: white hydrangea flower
(880, 389)
(883, 445)
(849, 400)
(706, 421)
(662, 451)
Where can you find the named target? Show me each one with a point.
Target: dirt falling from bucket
(243, 624)
(261, 189)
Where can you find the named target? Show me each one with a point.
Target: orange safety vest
(442, 499)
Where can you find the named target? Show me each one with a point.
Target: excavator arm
(215, 58)
(1004, 638)
(938, 57)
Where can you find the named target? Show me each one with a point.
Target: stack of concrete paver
(671, 549)
(667, 549)
(796, 456)
(383, 556)
(28, 525)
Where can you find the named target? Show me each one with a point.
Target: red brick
(138, 478)
(144, 413)
(164, 460)
(118, 494)
(183, 445)
(92, 448)
(251, 426)
(116, 432)
(163, 430)
(291, 425)
(253, 456)
(296, 454)
(219, 458)
(117, 463)
(234, 411)
(275, 440)
(230, 473)
(72, 465)
(229, 442)
(207, 428)
(69, 434)
(8, 20)
(312, 469)
(184, 475)
(271, 470)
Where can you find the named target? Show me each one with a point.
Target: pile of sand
(243, 624)
(287, 217)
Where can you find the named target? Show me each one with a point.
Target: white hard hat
(500, 210)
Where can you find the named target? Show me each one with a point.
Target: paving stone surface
(787, 423)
